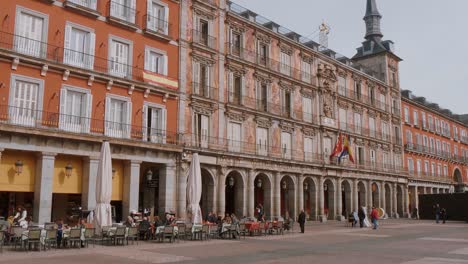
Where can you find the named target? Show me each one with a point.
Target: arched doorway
(310, 198)
(329, 199)
(234, 194)
(287, 197)
(400, 200)
(262, 194)
(346, 195)
(375, 195)
(388, 200)
(362, 198)
(457, 177)
(207, 197)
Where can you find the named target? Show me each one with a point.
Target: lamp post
(19, 167)
(259, 183)
(113, 173)
(230, 181)
(284, 185)
(149, 176)
(68, 170)
(306, 186)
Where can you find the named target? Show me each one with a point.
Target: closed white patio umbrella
(194, 189)
(102, 213)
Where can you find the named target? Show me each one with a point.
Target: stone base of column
(396, 216)
(323, 218)
(340, 218)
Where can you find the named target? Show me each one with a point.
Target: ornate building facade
(436, 148)
(75, 73)
(263, 106)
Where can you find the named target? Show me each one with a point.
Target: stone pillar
(1, 150)
(251, 193)
(355, 195)
(321, 195)
(406, 202)
(339, 200)
(395, 201)
(383, 201)
(43, 183)
(416, 200)
(370, 201)
(277, 195)
(167, 188)
(88, 193)
(182, 190)
(300, 193)
(222, 190)
(131, 187)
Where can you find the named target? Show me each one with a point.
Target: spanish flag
(347, 149)
(338, 147)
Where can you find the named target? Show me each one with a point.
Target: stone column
(43, 183)
(416, 200)
(395, 201)
(300, 190)
(182, 190)
(222, 190)
(277, 195)
(370, 201)
(251, 193)
(321, 195)
(339, 200)
(406, 202)
(131, 187)
(355, 195)
(1, 150)
(167, 188)
(383, 202)
(88, 193)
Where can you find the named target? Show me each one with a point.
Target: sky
(430, 36)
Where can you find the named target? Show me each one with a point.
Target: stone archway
(208, 193)
(288, 205)
(346, 198)
(310, 198)
(375, 195)
(263, 194)
(457, 177)
(400, 200)
(234, 194)
(329, 199)
(362, 197)
(388, 200)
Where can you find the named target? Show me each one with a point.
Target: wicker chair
(261, 229)
(33, 238)
(50, 238)
(133, 234)
(182, 232)
(119, 235)
(74, 237)
(90, 235)
(16, 235)
(168, 232)
(2, 240)
(243, 230)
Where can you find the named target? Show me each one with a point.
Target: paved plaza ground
(396, 241)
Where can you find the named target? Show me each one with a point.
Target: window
(407, 115)
(409, 138)
(439, 170)
(201, 128)
(262, 141)
(308, 149)
(418, 167)
(202, 79)
(154, 122)
(234, 134)
(236, 86)
(118, 116)
(371, 127)
(286, 102)
(158, 15)
(203, 31)
(285, 63)
(30, 32)
(433, 172)
(455, 151)
(445, 170)
(155, 61)
(360, 155)
(307, 109)
(91, 4)
(357, 90)
(286, 145)
(423, 120)
(426, 167)
(262, 96)
(343, 118)
(410, 165)
(385, 159)
(418, 142)
(75, 109)
(432, 145)
(306, 71)
(383, 102)
(438, 147)
(371, 93)
(79, 46)
(425, 143)
(437, 125)
(385, 131)
(123, 10)
(372, 157)
(415, 118)
(357, 123)
(342, 85)
(455, 132)
(431, 123)
(397, 134)
(236, 43)
(120, 54)
(393, 79)
(263, 54)
(25, 100)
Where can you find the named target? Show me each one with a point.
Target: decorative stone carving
(385, 147)
(285, 86)
(357, 78)
(397, 149)
(236, 69)
(327, 106)
(371, 113)
(236, 27)
(202, 59)
(395, 121)
(382, 89)
(359, 142)
(202, 12)
(373, 145)
(385, 117)
(262, 37)
(235, 116)
(326, 72)
(202, 108)
(286, 127)
(343, 104)
(263, 122)
(357, 109)
(306, 57)
(307, 93)
(308, 131)
(285, 48)
(342, 73)
(262, 78)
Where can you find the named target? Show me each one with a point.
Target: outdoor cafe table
(112, 231)
(26, 234)
(252, 227)
(160, 229)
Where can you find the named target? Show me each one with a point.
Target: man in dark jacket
(362, 216)
(437, 213)
(301, 219)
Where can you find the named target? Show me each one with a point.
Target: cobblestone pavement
(396, 241)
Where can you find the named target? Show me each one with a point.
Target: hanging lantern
(325, 187)
(68, 170)
(259, 183)
(230, 181)
(113, 173)
(284, 185)
(306, 186)
(149, 175)
(342, 187)
(374, 187)
(19, 167)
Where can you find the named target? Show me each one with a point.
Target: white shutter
(63, 107)
(196, 77)
(91, 48)
(230, 86)
(67, 44)
(208, 81)
(86, 124)
(229, 135)
(163, 128)
(204, 131)
(166, 20)
(148, 60)
(128, 119)
(107, 116)
(149, 9)
(165, 65)
(291, 98)
(144, 125)
(242, 90)
(132, 13)
(93, 4)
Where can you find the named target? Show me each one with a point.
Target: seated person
(227, 219)
(144, 228)
(157, 221)
(130, 222)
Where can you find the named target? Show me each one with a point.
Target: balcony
(122, 15)
(374, 134)
(428, 176)
(203, 39)
(84, 7)
(359, 97)
(157, 27)
(271, 64)
(204, 91)
(69, 59)
(82, 126)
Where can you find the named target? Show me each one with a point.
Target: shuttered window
(262, 141)
(79, 46)
(154, 123)
(234, 136)
(30, 33)
(118, 117)
(120, 57)
(75, 109)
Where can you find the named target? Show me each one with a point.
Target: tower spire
(372, 19)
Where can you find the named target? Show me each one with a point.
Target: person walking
(301, 219)
(374, 217)
(443, 215)
(362, 216)
(437, 213)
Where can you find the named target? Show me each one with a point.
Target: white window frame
(91, 4)
(287, 153)
(262, 149)
(415, 117)
(150, 17)
(309, 153)
(129, 65)
(342, 85)
(410, 165)
(84, 127)
(164, 64)
(117, 133)
(130, 18)
(158, 135)
(307, 116)
(406, 112)
(19, 119)
(201, 139)
(234, 145)
(306, 68)
(68, 53)
(45, 17)
(285, 63)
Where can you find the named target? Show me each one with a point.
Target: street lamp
(325, 187)
(68, 170)
(259, 183)
(149, 175)
(230, 181)
(284, 185)
(19, 167)
(306, 186)
(342, 187)
(113, 173)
